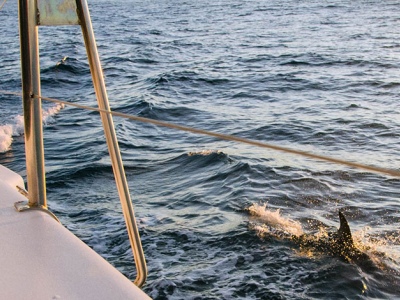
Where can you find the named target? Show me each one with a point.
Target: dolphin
(338, 243)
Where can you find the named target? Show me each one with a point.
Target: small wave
(208, 157)
(187, 78)
(16, 126)
(67, 65)
(204, 152)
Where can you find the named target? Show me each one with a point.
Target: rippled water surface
(213, 215)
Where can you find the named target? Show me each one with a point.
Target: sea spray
(50, 112)
(7, 131)
(380, 250)
(16, 126)
(272, 219)
(5, 137)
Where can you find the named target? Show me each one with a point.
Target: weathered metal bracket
(57, 12)
(22, 206)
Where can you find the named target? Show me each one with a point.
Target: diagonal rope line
(2, 5)
(223, 136)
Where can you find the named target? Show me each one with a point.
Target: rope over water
(2, 5)
(221, 136)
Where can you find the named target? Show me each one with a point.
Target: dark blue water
(311, 75)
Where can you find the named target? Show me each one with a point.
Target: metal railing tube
(113, 148)
(32, 106)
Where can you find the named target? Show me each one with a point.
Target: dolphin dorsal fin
(344, 232)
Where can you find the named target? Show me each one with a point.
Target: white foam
(50, 112)
(204, 152)
(7, 131)
(273, 219)
(16, 126)
(5, 137)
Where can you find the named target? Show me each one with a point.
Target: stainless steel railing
(67, 12)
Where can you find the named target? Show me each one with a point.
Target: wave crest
(16, 126)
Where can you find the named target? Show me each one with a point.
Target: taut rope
(222, 136)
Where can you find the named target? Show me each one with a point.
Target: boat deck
(41, 259)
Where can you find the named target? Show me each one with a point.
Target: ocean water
(214, 216)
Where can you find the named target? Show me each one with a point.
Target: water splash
(273, 220)
(382, 249)
(16, 126)
(7, 131)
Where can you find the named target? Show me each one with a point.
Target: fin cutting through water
(344, 233)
